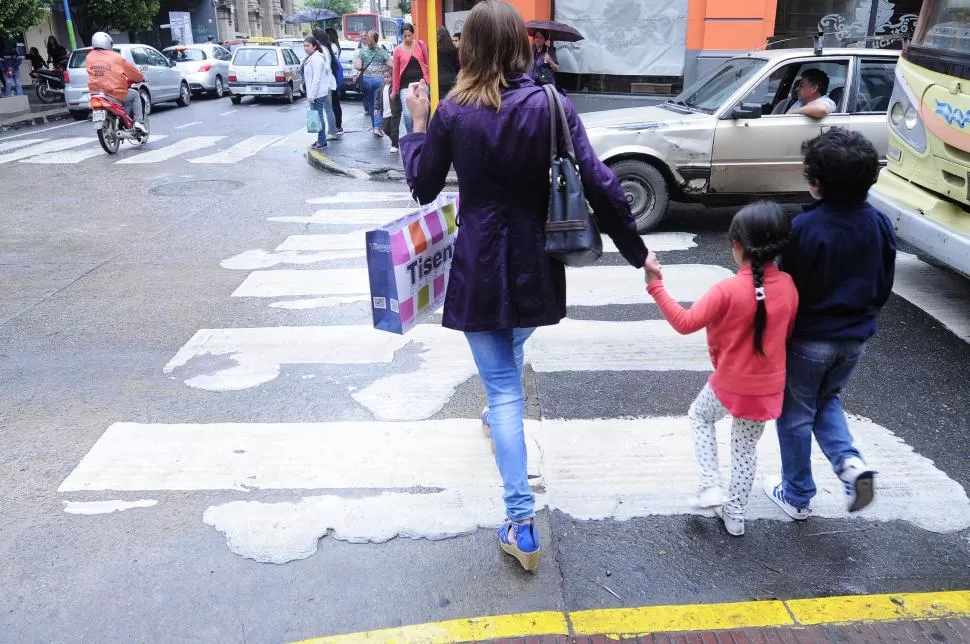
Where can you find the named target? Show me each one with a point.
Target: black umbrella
(310, 15)
(554, 30)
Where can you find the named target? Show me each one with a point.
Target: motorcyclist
(109, 73)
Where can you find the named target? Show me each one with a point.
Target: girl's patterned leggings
(704, 412)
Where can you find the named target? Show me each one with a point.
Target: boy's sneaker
(710, 497)
(521, 540)
(487, 428)
(773, 489)
(734, 525)
(858, 480)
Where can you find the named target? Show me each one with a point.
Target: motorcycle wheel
(107, 135)
(44, 92)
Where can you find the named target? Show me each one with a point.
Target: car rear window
(79, 56)
(182, 55)
(255, 57)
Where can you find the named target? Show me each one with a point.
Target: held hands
(653, 271)
(419, 105)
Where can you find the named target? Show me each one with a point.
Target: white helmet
(101, 40)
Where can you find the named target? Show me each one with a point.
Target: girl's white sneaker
(710, 497)
(733, 524)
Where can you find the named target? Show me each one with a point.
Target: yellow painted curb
(462, 630)
(677, 618)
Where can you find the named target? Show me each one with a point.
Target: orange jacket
(110, 73)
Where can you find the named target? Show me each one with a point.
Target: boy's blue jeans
(500, 358)
(817, 372)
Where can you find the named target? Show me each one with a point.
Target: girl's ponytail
(762, 230)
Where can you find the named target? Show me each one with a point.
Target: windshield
(945, 25)
(80, 56)
(183, 55)
(359, 23)
(255, 57)
(713, 90)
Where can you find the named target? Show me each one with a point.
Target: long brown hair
(494, 45)
(445, 43)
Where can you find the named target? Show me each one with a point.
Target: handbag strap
(557, 115)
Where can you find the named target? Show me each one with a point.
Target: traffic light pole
(433, 52)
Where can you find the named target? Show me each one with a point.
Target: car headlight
(904, 115)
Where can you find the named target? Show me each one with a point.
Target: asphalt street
(182, 403)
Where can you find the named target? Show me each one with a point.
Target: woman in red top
(409, 65)
(748, 318)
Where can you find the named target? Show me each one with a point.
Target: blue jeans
(320, 106)
(330, 125)
(500, 358)
(817, 372)
(14, 87)
(372, 84)
(408, 120)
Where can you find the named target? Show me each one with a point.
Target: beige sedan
(730, 137)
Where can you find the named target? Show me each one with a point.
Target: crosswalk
(192, 149)
(419, 468)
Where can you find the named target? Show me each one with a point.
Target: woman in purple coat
(495, 128)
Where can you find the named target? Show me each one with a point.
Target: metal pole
(433, 52)
(70, 26)
(873, 16)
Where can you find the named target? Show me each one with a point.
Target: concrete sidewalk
(37, 114)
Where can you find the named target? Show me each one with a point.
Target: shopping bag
(408, 261)
(313, 124)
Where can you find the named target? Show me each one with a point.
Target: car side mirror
(746, 111)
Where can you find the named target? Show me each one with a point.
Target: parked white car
(206, 66)
(264, 70)
(163, 82)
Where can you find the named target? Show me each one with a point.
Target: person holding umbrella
(545, 63)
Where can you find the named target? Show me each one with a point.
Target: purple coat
(501, 277)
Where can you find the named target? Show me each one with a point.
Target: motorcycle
(49, 84)
(114, 124)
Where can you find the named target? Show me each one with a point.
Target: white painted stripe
(658, 242)
(240, 151)
(22, 143)
(105, 507)
(46, 129)
(45, 147)
(315, 303)
(227, 113)
(76, 156)
(179, 127)
(251, 260)
(170, 151)
(374, 216)
(243, 456)
(593, 286)
(360, 197)
(591, 469)
(439, 359)
(346, 241)
(942, 294)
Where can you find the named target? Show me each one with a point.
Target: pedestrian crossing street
(201, 150)
(411, 472)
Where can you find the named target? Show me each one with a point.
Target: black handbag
(572, 236)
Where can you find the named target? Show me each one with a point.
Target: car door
(169, 77)
(221, 62)
(139, 58)
(869, 101)
(763, 155)
(293, 68)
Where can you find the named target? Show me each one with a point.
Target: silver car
(730, 136)
(264, 70)
(163, 82)
(206, 66)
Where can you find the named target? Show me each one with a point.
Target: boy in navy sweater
(842, 257)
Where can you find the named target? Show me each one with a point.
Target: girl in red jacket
(748, 318)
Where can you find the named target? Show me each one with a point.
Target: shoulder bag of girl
(572, 236)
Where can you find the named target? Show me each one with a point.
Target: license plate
(97, 116)
(255, 88)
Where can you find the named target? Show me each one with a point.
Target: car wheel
(185, 96)
(220, 89)
(146, 101)
(235, 98)
(80, 115)
(288, 97)
(646, 191)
